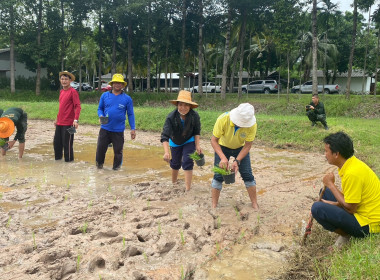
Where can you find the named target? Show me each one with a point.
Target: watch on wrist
(76, 121)
(238, 162)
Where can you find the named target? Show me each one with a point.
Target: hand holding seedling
(224, 163)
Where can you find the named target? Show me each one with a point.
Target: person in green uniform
(11, 119)
(315, 111)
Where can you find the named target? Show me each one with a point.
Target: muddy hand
(166, 157)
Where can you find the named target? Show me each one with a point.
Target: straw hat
(118, 78)
(243, 115)
(185, 97)
(6, 127)
(72, 77)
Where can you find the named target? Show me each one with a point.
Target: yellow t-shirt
(361, 185)
(224, 129)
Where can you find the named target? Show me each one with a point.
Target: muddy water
(53, 199)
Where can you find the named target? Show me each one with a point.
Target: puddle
(247, 262)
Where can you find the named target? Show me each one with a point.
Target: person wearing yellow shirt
(355, 209)
(233, 134)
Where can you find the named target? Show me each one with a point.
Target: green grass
(360, 261)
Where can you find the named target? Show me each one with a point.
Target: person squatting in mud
(67, 118)
(113, 107)
(11, 118)
(233, 135)
(354, 210)
(181, 136)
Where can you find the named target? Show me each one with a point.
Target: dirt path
(72, 221)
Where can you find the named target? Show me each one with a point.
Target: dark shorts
(180, 156)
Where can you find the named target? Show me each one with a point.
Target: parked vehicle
(265, 86)
(308, 88)
(85, 86)
(105, 87)
(207, 87)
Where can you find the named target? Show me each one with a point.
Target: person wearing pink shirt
(67, 118)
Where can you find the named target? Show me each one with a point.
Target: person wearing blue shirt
(113, 107)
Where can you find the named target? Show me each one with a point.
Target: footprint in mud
(97, 262)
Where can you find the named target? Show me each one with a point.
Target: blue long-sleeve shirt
(116, 107)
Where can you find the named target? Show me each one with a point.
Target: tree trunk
(130, 59)
(315, 47)
(366, 51)
(226, 56)
(377, 62)
(80, 65)
(12, 51)
(114, 38)
(355, 19)
(233, 68)
(63, 37)
(148, 54)
(242, 39)
(39, 27)
(100, 51)
(183, 39)
(200, 49)
(288, 84)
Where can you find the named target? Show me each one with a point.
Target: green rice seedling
(9, 221)
(221, 171)
(65, 198)
(148, 204)
(131, 195)
(218, 250)
(195, 156)
(78, 261)
(68, 184)
(146, 257)
(218, 222)
(124, 214)
(1, 195)
(115, 198)
(159, 229)
(100, 277)
(182, 237)
(38, 186)
(237, 213)
(45, 178)
(182, 273)
(90, 204)
(241, 236)
(109, 188)
(123, 242)
(34, 241)
(180, 214)
(27, 203)
(84, 227)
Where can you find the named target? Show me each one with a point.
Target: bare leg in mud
(188, 179)
(252, 195)
(174, 176)
(215, 193)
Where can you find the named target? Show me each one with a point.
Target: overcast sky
(345, 5)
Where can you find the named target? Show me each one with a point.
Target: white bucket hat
(243, 115)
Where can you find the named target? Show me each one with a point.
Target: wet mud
(72, 221)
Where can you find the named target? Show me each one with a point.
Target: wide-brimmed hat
(185, 97)
(6, 127)
(118, 78)
(72, 77)
(243, 115)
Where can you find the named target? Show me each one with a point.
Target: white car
(207, 87)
